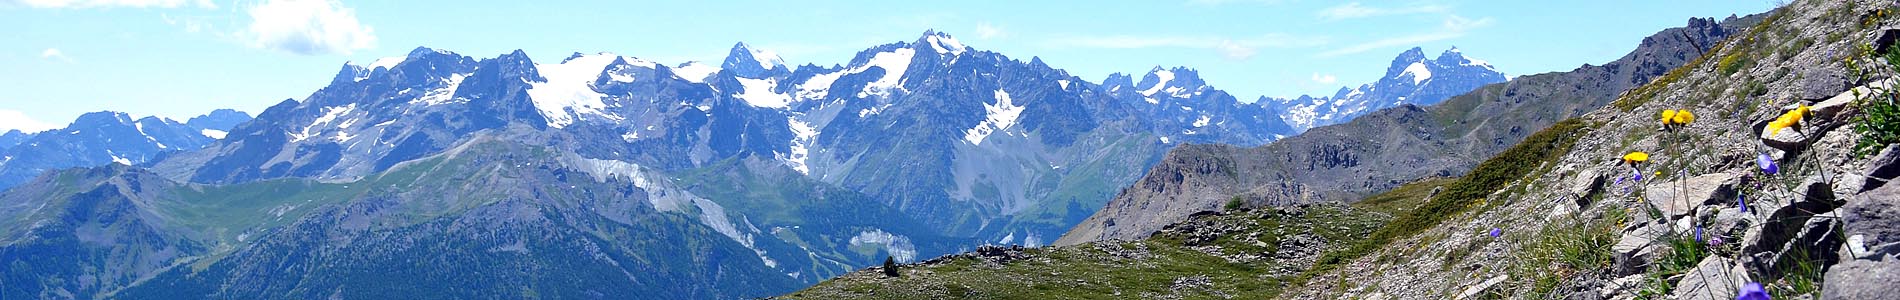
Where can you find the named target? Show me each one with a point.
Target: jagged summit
(750, 62)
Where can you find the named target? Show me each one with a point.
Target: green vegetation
(1499, 171)
(1682, 255)
(1568, 250)
(1879, 123)
(1205, 262)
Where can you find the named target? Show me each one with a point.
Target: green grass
(1498, 171)
(1567, 250)
(1094, 271)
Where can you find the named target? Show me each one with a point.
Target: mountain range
(107, 137)
(629, 176)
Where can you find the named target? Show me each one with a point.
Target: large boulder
(1679, 198)
(1863, 279)
(1873, 222)
(1714, 278)
(1637, 248)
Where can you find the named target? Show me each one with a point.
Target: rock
(1817, 242)
(1788, 140)
(1730, 223)
(1696, 191)
(1636, 248)
(1815, 188)
(1587, 183)
(1863, 279)
(1830, 109)
(1714, 278)
(1885, 38)
(1819, 83)
(1874, 216)
(1882, 168)
(1473, 290)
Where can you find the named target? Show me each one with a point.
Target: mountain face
(1412, 79)
(107, 137)
(743, 180)
(11, 138)
(1386, 148)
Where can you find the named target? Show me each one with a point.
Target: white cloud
(986, 31)
(13, 119)
(1324, 78)
(114, 3)
(1353, 10)
(1453, 27)
(308, 27)
(54, 54)
(1235, 51)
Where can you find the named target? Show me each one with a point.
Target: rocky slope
(1383, 149)
(1564, 215)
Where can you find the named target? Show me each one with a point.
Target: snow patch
(213, 133)
(1001, 116)
(1202, 122)
(894, 64)
(898, 246)
(386, 63)
(1418, 71)
(1064, 83)
(767, 59)
(758, 92)
(862, 113)
(695, 72)
(329, 114)
(569, 90)
(818, 86)
(121, 160)
(1165, 76)
(801, 143)
(444, 94)
(1164, 140)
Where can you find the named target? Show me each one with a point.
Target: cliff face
(1389, 147)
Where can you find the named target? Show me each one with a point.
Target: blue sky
(179, 58)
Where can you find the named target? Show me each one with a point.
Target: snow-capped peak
(1162, 76)
(767, 59)
(943, 43)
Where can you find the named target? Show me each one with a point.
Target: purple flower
(1741, 200)
(1767, 164)
(1638, 176)
(1698, 233)
(1495, 232)
(1753, 291)
(1715, 241)
(1619, 180)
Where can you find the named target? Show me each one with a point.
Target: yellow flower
(1669, 115)
(1788, 119)
(1684, 117)
(1635, 157)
